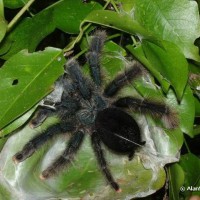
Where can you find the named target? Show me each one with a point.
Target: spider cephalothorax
(85, 107)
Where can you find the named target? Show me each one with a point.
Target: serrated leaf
(3, 24)
(176, 21)
(25, 79)
(170, 62)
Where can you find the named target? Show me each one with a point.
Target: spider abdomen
(118, 130)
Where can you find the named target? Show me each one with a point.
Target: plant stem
(135, 43)
(114, 5)
(113, 36)
(105, 6)
(187, 147)
(19, 14)
(80, 53)
(77, 39)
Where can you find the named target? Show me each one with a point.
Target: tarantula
(86, 107)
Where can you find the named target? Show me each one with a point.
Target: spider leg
(96, 144)
(67, 157)
(73, 68)
(63, 110)
(40, 139)
(154, 108)
(48, 105)
(40, 117)
(93, 56)
(132, 73)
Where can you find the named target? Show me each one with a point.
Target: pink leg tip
(119, 190)
(42, 177)
(15, 160)
(31, 125)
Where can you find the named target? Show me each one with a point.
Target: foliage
(35, 38)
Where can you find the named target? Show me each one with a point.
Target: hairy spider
(85, 107)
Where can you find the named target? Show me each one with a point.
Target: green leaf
(112, 60)
(120, 21)
(186, 110)
(2, 142)
(197, 107)
(25, 79)
(176, 139)
(4, 193)
(128, 6)
(15, 3)
(27, 34)
(196, 130)
(176, 21)
(16, 124)
(3, 24)
(138, 53)
(191, 166)
(170, 62)
(176, 180)
(69, 14)
(65, 15)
